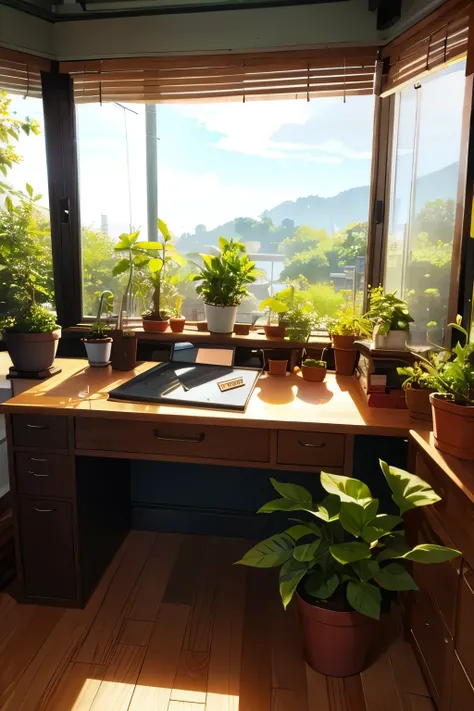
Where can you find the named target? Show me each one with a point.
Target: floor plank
(184, 578)
(317, 689)
(380, 688)
(136, 632)
(116, 688)
(77, 687)
(288, 664)
(420, 703)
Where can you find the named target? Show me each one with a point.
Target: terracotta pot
(241, 329)
(418, 403)
(453, 427)
(335, 643)
(177, 324)
(277, 367)
(345, 360)
(274, 331)
(312, 374)
(32, 352)
(154, 326)
(98, 351)
(344, 342)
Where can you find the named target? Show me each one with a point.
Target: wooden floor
(173, 626)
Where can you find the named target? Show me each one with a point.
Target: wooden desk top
(338, 405)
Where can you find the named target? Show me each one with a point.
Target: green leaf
(380, 526)
(395, 547)
(349, 552)
(279, 505)
(270, 553)
(329, 508)
(8, 204)
(408, 490)
(320, 587)
(353, 517)
(310, 526)
(366, 569)
(395, 577)
(299, 531)
(148, 246)
(163, 227)
(305, 552)
(293, 492)
(122, 266)
(365, 598)
(29, 190)
(155, 265)
(290, 575)
(347, 488)
(430, 553)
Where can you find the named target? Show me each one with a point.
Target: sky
(224, 160)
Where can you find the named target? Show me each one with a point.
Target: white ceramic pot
(394, 340)
(98, 352)
(220, 319)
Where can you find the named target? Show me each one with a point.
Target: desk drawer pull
(193, 440)
(309, 444)
(43, 510)
(37, 427)
(35, 474)
(38, 459)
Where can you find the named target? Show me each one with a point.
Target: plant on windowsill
(387, 319)
(31, 334)
(418, 386)
(275, 326)
(98, 342)
(177, 319)
(344, 331)
(453, 402)
(223, 281)
(143, 256)
(345, 561)
(314, 370)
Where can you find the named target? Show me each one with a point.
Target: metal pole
(151, 171)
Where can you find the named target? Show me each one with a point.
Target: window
(425, 166)
(288, 178)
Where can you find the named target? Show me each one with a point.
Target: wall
(26, 33)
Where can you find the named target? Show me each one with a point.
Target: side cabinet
(440, 616)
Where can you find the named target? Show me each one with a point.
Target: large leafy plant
(346, 323)
(223, 278)
(346, 553)
(151, 258)
(386, 312)
(417, 377)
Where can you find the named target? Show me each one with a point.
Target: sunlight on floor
(97, 695)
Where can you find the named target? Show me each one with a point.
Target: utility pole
(151, 171)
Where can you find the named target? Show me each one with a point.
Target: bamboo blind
(21, 73)
(435, 41)
(232, 77)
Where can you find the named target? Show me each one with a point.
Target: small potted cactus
(314, 370)
(177, 320)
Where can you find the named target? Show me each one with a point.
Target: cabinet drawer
(464, 637)
(432, 640)
(314, 449)
(40, 431)
(232, 443)
(44, 475)
(47, 548)
(462, 698)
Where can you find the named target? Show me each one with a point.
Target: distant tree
(303, 239)
(436, 218)
(288, 224)
(200, 230)
(354, 243)
(311, 264)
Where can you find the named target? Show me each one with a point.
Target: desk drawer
(40, 431)
(463, 691)
(206, 441)
(464, 638)
(432, 640)
(314, 449)
(44, 475)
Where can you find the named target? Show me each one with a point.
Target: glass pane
(289, 178)
(25, 238)
(427, 145)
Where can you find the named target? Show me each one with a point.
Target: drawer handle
(194, 440)
(38, 459)
(37, 427)
(43, 510)
(37, 475)
(314, 446)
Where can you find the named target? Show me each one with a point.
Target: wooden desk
(70, 446)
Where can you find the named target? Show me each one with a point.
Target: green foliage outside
(345, 551)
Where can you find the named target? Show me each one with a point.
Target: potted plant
(344, 331)
(453, 403)
(223, 281)
(314, 370)
(275, 308)
(387, 319)
(177, 319)
(31, 336)
(143, 256)
(98, 341)
(418, 386)
(345, 561)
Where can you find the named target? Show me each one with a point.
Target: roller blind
(21, 73)
(292, 75)
(435, 41)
